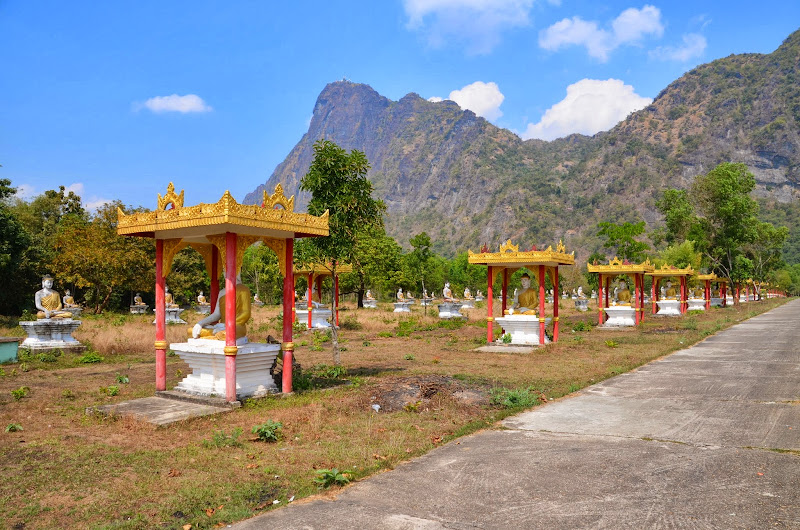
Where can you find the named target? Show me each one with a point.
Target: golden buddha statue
(68, 300)
(670, 292)
(169, 301)
(525, 301)
(213, 326)
(623, 294)
(201, 299)
(48, 301)
(137, 300)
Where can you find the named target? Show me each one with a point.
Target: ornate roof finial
(278, 199)
(170, 198)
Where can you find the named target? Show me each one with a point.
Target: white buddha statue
(580, 293)
(68, 300)
(525, 301)
(201, 299)
(368, 295)
(447, 294)
(48, 301)
(400, 296)
(137, 300)
(467, 293)
(213, 326)
(169, 301)
(409, 295)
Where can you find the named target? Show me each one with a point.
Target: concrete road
(708, 437)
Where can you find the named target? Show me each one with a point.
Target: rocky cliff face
(448, 172)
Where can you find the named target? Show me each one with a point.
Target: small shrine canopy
(617, 267)
(668, 271)
(707, 280)
(221, 232)
(510, 259)
(317, 272)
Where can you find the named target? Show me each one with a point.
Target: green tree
(261, 272)
(378, 264)
(679, 216)
(765, 250)
(338, 183)
(14, 241)
(621, 238)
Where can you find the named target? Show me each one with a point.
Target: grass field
(66, 468)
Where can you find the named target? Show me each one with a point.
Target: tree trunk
(361, 289)
(337, 358)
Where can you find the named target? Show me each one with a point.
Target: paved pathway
(708, 437)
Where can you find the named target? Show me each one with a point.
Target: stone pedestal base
(76, 311)
(581, 304)
(206, 358)
(716, 302)
(620, 316)
(402, 307)
(668, 308)
(370, 304)
(467, 304)
(696, 304)
(173, 316)
(203, 309)
(479, 298)
(450, 310)
(427, 301)
(47, 334)
(139, 309)
(524, 329)
(319, 317)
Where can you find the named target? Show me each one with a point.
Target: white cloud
(25, 192)
(478, 24)
(694, 45)
(75, 187)
(630, 27)
(591, 106)
(435, 99)
(176, 103)
(484, 99)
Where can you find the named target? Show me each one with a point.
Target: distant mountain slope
(464, 181)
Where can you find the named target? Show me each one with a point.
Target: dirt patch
(411, 393)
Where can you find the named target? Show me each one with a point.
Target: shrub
(123, 379)
(220, 439)
(13, 427)
(269, 431)
(408, 357)
(350, 324)
(329, 477)
(582, 326)
(612, 343)
(506, 338)
(512, 398)
(20, 393)
(89, 358)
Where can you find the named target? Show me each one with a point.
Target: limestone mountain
(446, 171)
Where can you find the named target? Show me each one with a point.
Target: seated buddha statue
(409, 296)
(400, 295)
(213, 326)
(68, 300)
(669, 291)
(48, 301)
(467, 293)
(525, 301)
(137, 300)
(623, 294)
(368, 295)
(169, 301)
(201, 299)
(447, 294)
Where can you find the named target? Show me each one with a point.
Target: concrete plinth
(139, 309)
(173, 316)
(51, 334)
(668, 308)
(450, 310)
(716, 302)
(402, 307)
(370, 304)
(524, 329)
(620, 316)
(319, 317)
(427, 301)
(582, 304)
(467, 304)
(203, 309)
(696, 304)
(206, 358)
(76, 311)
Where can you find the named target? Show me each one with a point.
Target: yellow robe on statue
(624, 297)
(52, 302)
(530, 299)
(243, 297)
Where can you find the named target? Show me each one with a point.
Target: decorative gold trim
(218, 240)
(542, 320)
(508, 247)
(510, 257)
(278, 246)
(617, 266)
(170, 198)
(323, 269)
(206, 250)
(171, 247)
(161, 345)
(560, 247)
(287, 346)
(489, 319)
(555, 319)
(242, 242)
(230, 350)
(278, 198)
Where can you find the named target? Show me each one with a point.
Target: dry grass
(70, 469)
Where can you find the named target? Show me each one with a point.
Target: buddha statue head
(525, 280)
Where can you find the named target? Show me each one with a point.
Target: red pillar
(608, 282)
(723, 293)
(636, 314)
(161, 324)
(288, 306)
(654, 290)
(541, 304)
(336, 297)
(318, 281)
(505, 290)
(708, 294)
(683, 294)
(600, 299)
(556, 298)
(230, 317)
(489, 309)
(310, 296)
(214, 277)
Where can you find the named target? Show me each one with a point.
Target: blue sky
(117, 99)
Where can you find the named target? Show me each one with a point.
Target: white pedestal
(524, 329)
(206, 358)
(620, 316)
(370, 304)
(427, 301)
(669, 308)
(173, 316)
(402, 307)
(479, 298)
(204, 309)
(716, 302)
(450, 310)
(319, 317)
(696, 304)
(75, 311)
(582, 304)
(51, 334)
(729, 299)
(139, 309)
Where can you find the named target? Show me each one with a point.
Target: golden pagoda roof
(510, 256)
(275, 218)
(711, 276)
(323, 269)
(617, 266)
(668, 270)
